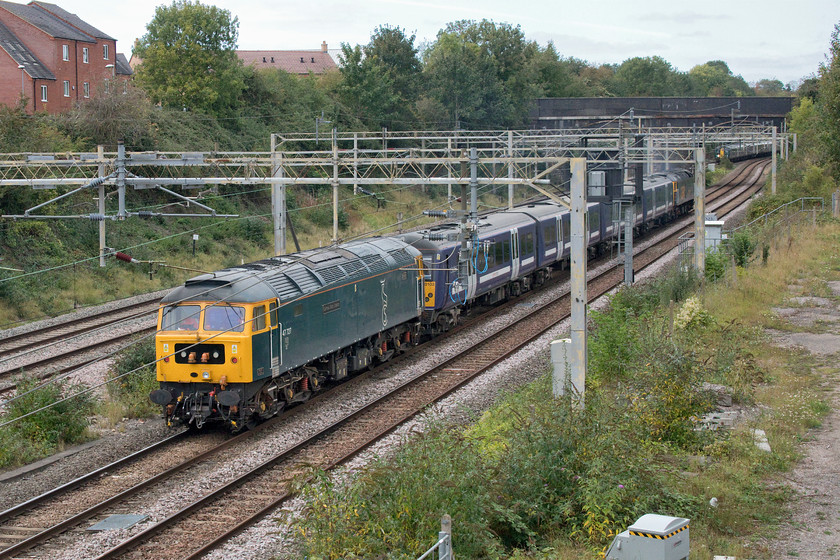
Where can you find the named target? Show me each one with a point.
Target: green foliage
(380, 80)
(742, 245)
(40, 132)
(715, 79)
(649, 76)
(114, 114)
(829, 103)
(46, 431)
(715, 264)
(131, 390)
(396, 504)
(189, 58)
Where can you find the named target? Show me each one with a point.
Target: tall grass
(534, 478)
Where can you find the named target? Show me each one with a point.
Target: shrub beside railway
(47, 431)
(536, 479)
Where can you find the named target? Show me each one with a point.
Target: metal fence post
(445, 550)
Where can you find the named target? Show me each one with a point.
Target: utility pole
(578, 280)
(700, 209)
(773, 165)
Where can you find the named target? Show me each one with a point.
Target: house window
(85, 53)
(65, 52)
(86, 88)
(44, 94)
(66, 88)
(105, 52)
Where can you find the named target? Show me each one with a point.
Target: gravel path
(813, 529)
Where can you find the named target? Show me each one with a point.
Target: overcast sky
(757, 38)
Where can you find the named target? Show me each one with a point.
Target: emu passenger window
(594, 221)
(528, 244)
(567, 231)
(259, 318)
(550, 233)
(501, 252)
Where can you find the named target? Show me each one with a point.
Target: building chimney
(324, 46)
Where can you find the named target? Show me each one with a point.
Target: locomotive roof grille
(401, 257)
(332, 274)
(375, 263)
(352, 268)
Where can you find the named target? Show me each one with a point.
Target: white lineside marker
(760, 439)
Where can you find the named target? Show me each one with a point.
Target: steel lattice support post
(700, 210)
(629, 214)
(335, 187)
(120, 182)
(773, 165)
(100, 155)
(510, 168)
(278, 200)
(578, 280)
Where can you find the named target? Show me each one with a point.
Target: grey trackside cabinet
(652, 537)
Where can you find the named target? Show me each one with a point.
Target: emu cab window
(224, 318)
(180, 318)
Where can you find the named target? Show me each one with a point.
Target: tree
(381, 79)
(114, 115)
(828, 106)
(771, 87)
(645, 77)
(189, 59)
(715, 79)
(481, 74)
(462, 81)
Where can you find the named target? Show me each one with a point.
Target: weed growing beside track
(45, 432)
(534, 478)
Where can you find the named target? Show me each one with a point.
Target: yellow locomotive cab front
(203, 343)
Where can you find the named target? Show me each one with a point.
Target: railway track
(267, 484)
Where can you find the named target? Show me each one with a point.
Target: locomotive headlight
(205, 375)
(215, 355)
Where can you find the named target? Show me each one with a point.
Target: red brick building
(53, 58)
(294, 62)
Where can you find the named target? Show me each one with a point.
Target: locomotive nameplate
(331, 306)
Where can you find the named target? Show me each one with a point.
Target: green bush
(742, 245)
(396, 504)
(46, 431)
(715, 264)
(131, 390)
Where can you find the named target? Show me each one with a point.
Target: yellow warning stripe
(660, 537)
